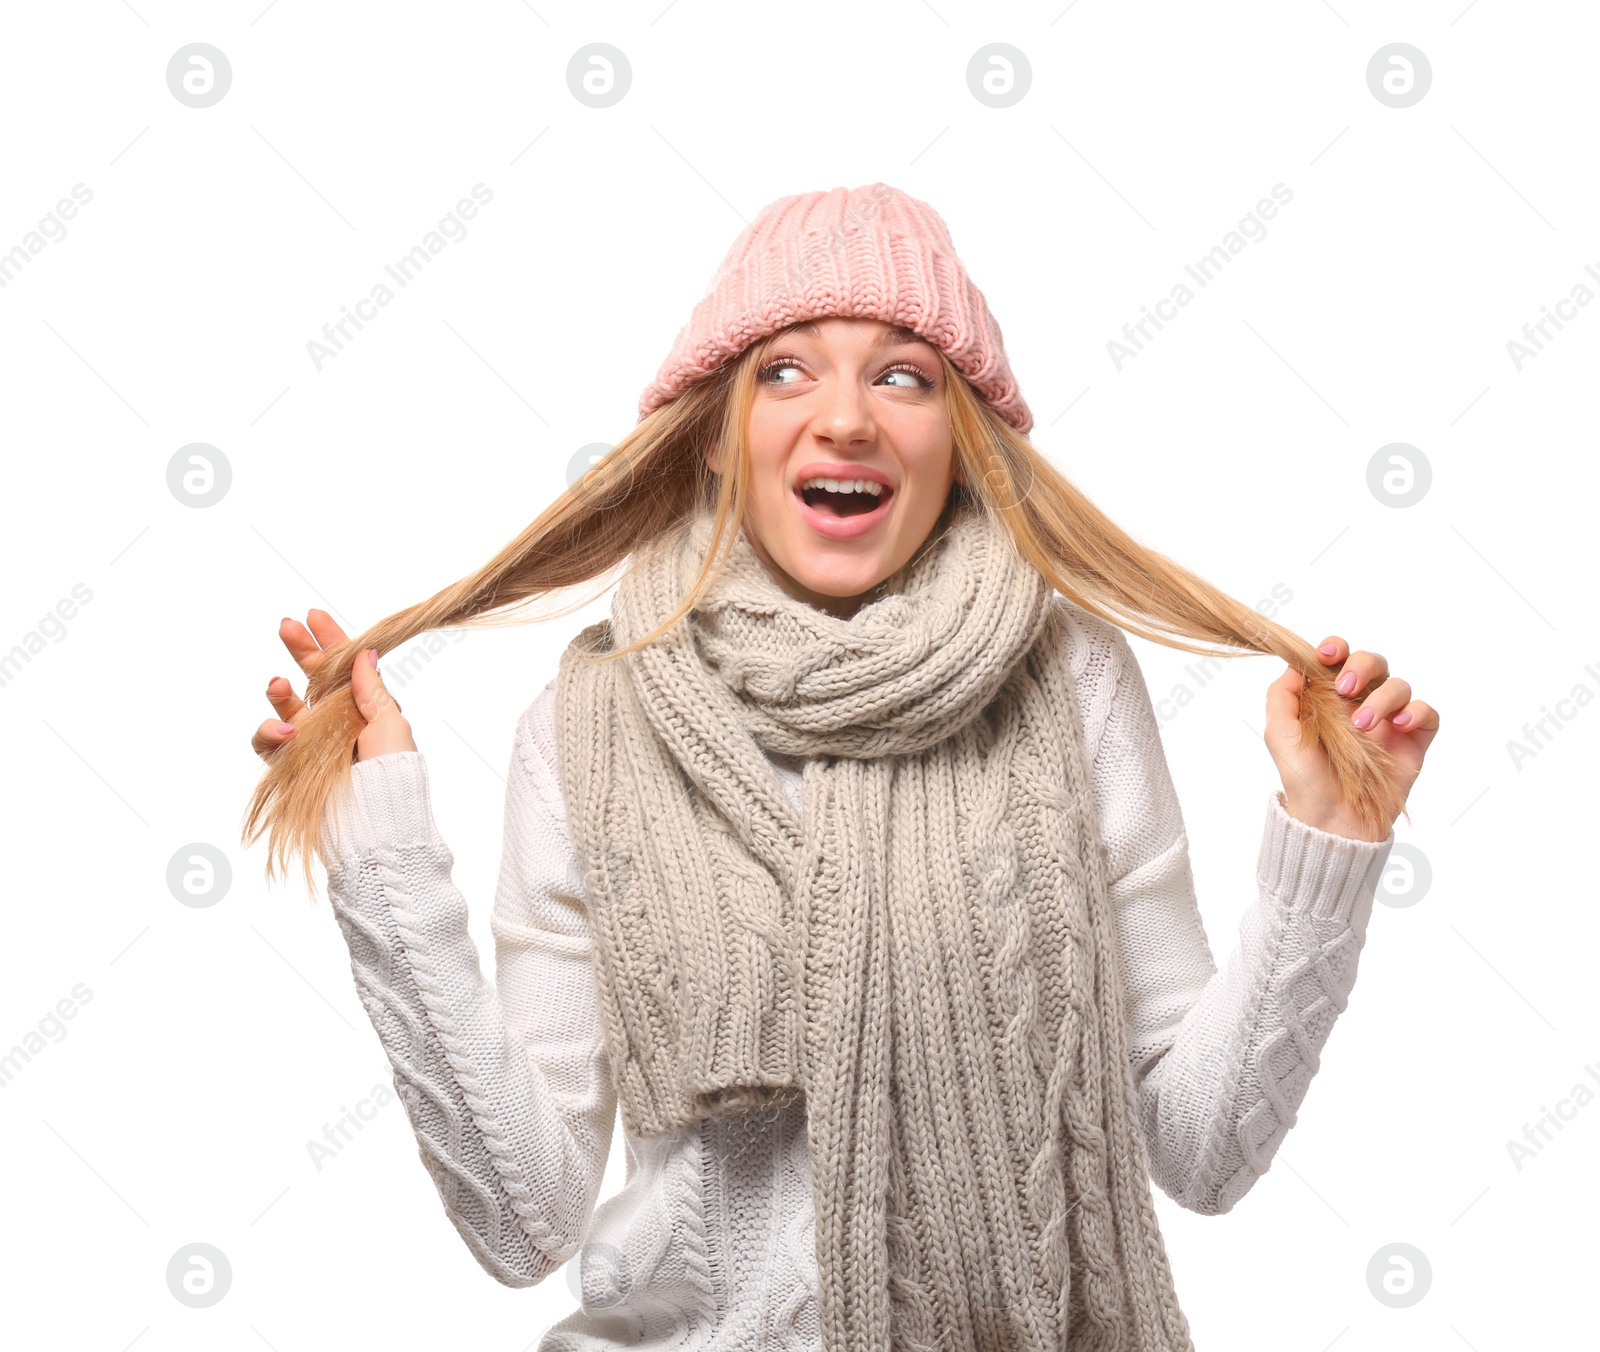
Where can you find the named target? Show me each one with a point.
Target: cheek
(771, 440)
(771, 434)
(927, 452)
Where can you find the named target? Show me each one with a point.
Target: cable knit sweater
(709, 1243)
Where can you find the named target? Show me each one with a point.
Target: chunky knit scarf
(926, 951)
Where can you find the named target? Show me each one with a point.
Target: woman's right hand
(386, 730)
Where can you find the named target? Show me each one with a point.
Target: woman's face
(846, 399)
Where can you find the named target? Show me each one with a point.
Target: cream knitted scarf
(926, 952)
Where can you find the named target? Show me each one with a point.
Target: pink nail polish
(1327, 650)
(1401, 719)
(1363, 718)
(285, 728)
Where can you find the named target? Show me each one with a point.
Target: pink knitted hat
(871, 251)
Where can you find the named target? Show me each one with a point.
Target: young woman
(843, 858)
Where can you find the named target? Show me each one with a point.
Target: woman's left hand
(1380, 704)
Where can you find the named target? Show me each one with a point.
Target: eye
(912, 377)
(777, 364)
(918, 379)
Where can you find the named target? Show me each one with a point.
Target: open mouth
(844, 498)
(841, 508)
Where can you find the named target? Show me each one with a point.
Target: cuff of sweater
(1315, 871)
(386, 803)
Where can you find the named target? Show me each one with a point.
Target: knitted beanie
(871, 251)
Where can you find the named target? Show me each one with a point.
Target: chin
(854, 589)
(832, 585)
(839, 587)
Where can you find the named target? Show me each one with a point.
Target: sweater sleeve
(1221, 1057)
(505, 1085)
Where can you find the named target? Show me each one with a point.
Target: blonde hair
(657, 474)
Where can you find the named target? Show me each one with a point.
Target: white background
(178, 308)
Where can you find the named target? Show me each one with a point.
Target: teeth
(846, 486)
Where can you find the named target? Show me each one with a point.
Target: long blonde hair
(658, 473)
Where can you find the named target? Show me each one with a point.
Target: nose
(844, 412)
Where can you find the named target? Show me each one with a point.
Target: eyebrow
(891, 337)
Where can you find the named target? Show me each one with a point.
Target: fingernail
(284, 729)
(1363, 718)
(1401, 719)
(372, 656)
(1346, 683)
(1327, 650)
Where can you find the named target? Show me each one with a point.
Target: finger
(1389, 698)
(1283, 706)
(1418, 719)
(325, 628)
(305, 645)
(270, 736)
(1333, 650)
(301, 645)
(387, 728)
(285, 703)
(368, 690)
(1362, 669)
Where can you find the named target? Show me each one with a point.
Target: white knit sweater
(709, 1242)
